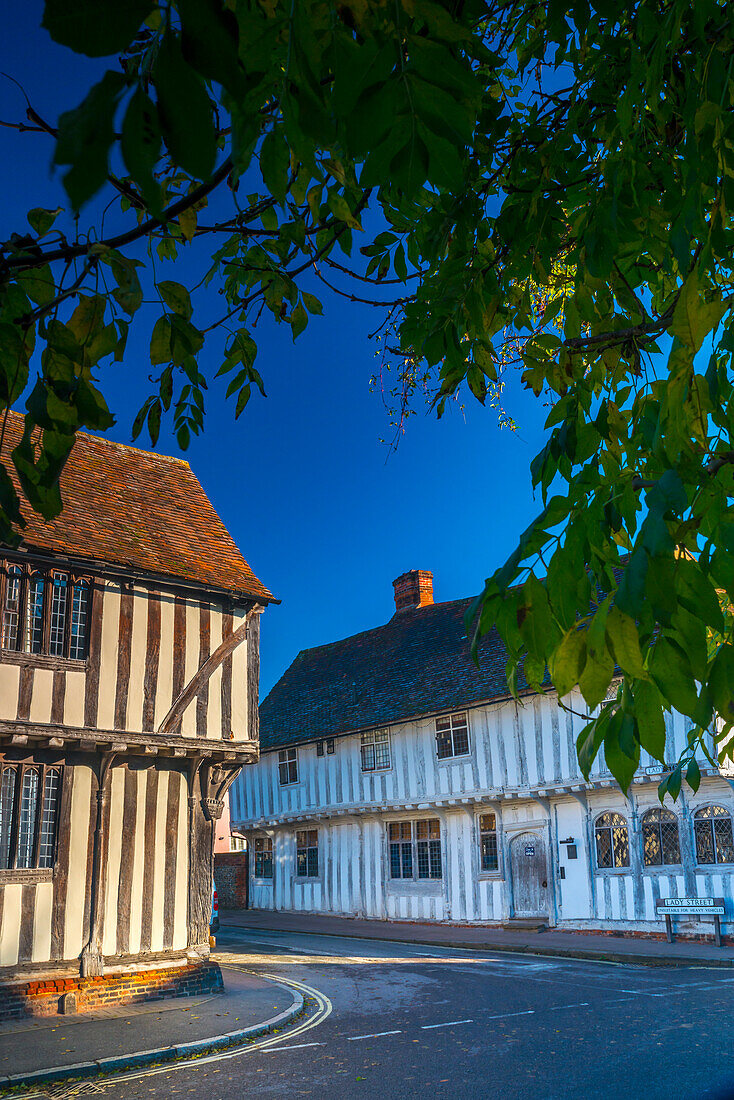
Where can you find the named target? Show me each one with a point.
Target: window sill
(664, 869)
(490, 876)
(613, 871)
(262, 881)
(10, 875)
(432, 887)
(303, 880)
(463, 759)
(41, 660)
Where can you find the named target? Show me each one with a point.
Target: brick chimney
(413, 589)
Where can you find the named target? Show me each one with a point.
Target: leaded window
(713, 832)
(288, 766)
(375, 750)
(29, 805)
(43, 611)
(307, 853)
(488, 850)
(612, 841)
(660, 838)
(415, 849)
(263, 857)
(452, 736)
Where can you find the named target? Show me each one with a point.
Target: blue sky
(324, 513)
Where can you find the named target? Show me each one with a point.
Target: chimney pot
(413, 589)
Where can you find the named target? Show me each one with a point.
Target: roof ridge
(373, 629)
(114, 443)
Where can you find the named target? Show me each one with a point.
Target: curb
(162, 1054)
(585, 954)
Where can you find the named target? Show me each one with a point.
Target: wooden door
(529, 865)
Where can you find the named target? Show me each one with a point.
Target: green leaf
(693, 316)
(84, 139)
(38, 283)
(299, 320)
(693, 775)
(311, 302)
(534, 618)
(275, 163)
(176, 298)
(141, 147)
(672, 674)
(160, 341)
(96, 28)
(619, 739)
(13, 364)
(599, 666)
(650, 719)
(210, 41)
(41, 219)
(184, 111)
(721, 683)
(625, 642)
(567, 661)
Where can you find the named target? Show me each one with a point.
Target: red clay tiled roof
(138, 510)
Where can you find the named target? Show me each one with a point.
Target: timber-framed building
(399, 781)
(129, 667)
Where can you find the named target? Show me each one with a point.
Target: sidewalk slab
(579, 945)
(51, 1048)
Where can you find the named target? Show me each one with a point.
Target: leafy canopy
(554, 187)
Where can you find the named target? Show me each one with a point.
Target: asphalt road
(399, 1021)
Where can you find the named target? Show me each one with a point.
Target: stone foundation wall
(52, 995)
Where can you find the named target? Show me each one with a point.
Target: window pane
(443, 744)
(407, 859)
(393, 831)
(51, 791)
(267, 871)
(434, 853)
(368, 758)
(461, 741)
(395, 860)
(58, 614)
(434, 828)
(302, 839)
(11, 610)
(421, 851)
(651, 847)
(27, 823)
(724, 843)
(489, 852)
(313, 862)
(34, 617)
(7, 801)
(301, 863)
(603, 848)
(670, 841)
(382, 754)
(704, 841)
(421, 830)
(78, 633)
(620, 841)
(487, 823)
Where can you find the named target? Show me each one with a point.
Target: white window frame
(481, 834)
(286, 758)
(308, 848)
(427, 847)
(457, 723)
(369, 741)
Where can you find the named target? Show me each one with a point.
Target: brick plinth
(45, 997)
(230, 878)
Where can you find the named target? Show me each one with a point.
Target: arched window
(712, 829)
(660, 839)
(612, 841)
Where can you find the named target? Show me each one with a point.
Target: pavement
(575, 945)
(111, 1039)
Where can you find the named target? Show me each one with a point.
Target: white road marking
(560, 1008)
(449, 1023)
(294, 1046)
(504, 1016)
(376, 1035)
(644, 993)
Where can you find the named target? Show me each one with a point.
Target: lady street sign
(684, 907)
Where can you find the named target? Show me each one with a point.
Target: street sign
(708, 907)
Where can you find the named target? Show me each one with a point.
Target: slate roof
(138, 510)
(418, 663)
